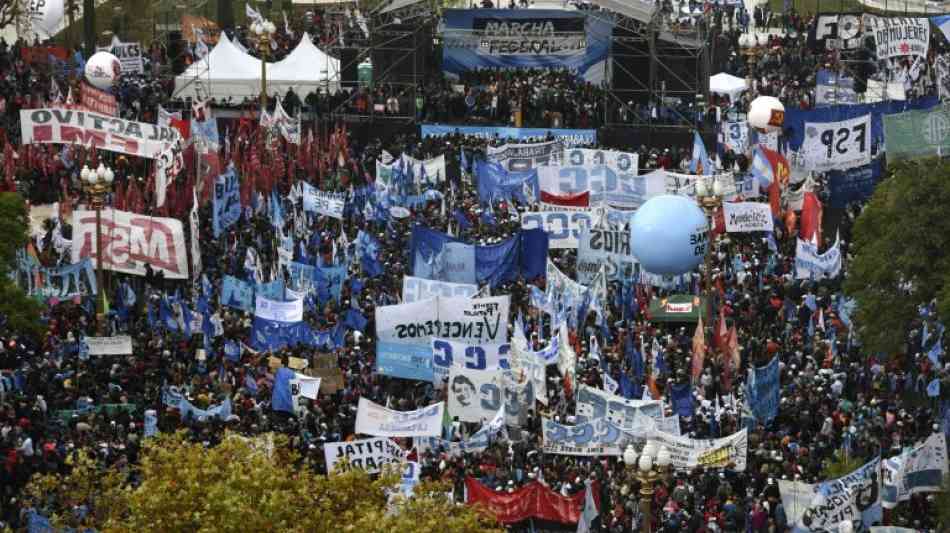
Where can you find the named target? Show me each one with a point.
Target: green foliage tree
(901, 252)
(240, 485)
(840, 465)
(21, 311)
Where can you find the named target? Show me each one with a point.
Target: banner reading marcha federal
(85, 128)
(368, 455)
(374, 419)
(130, 241)
(727, 452)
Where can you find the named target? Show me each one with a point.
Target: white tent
(728, 84)
(227, 72)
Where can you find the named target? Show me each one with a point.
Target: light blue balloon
(668, 235)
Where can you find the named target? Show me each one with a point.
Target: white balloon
(766, 113)
(103, 70)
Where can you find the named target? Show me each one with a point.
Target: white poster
(304, 387)
(593, 403)
(474, 320)
(563, 227)
(325, 203)
(129, 54)
(742, 217)
(919, 469)
(71, 126)
(130, 241)
(46, 17)
(687, 454)
(523, 157)
(735, 136)
(607, 248)
(278, 311)
(474, 395)
(851, 497)
(809, 264)
(899, 36)
(374, 419)
(118, 345)
(448, 354)
(837, 145)
(415, 289)
(526, 366)
(368, 455)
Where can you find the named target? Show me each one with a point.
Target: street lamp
(98, 183)
(649, 466)
(264, 30)
(709, 195)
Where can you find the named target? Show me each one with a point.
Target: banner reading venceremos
(131, 241)
(918, 133)
(69, 126)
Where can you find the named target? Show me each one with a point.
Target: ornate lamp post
(709, 195)
(264, 31)
(649, 466)
(97, 184)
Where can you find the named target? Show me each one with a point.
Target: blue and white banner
(743, 217)
(623, 163)
(851, 497)
(422, 172)
(415, 289)
(374, 419)
(478, 442)
(173, 397)
(834, 89)
(368, 455)
(687, 454)
(454, 263)
(735, 136)
(855, 184)
(919, 469)
(764, 391)
(302, 277)
(321, 202)
(837, 145)
(524, 157)
(226, 202)
(595, 438)
(563, 227)
(278, 324)
(447, 354)
(564, 136)
(594, 404)
(69, 280)
(278, 311)
(526, 38)
(809, 264)
(496, 183)
(605, 248)
(526, 367)
(474, 395)
(237, 293)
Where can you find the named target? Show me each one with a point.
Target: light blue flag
(934, 353)
(281, 398)
(933, 389)
(700, 164)
(151, 423)
(590, 511)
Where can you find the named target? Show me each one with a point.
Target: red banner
(40, 54)
(98, 101)
(581, 199)
(534, 500)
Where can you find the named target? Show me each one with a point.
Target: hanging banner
(624, 164)
(423, 172)
(368, 455)
(522, 157)
(533, 500)
(226, 202)
(595, 404)
(856, 184)
(97, 100)
(687, 454)
(474, 395)
(596, 438)
(85, 128)
(809, 264)
(130, 241)
(325, 203)
(916, 134)
(837, 145)
(129, 54)
(118, 345)
(563, 227)
(374, 419)
(919, 469)
(415, 289)
(852, 497)
(565, 136)
(67, 281)
(605, 248)
(899, 36)
(447, 354)
(744, 217)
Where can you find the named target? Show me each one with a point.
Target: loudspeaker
(349, 75)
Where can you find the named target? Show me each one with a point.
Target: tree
(22, 312)
(11, 11)
(901, 253)
(239, 485)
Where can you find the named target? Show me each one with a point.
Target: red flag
(721, 335)
(810, 225)
(699, 350)
(581, 199)
(780, 171)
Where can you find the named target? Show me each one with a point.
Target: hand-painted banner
(129, 54)
(237, 293)
(837, 145)
(595, 438)
(563, 227)
(735, 136)
(605, 248)
(368, 455)
(278, 311)
(521, 157)
(623, 163)
(594, 404)
(118, 345)
(899, 36)
(919, 469)
(226, 202)
(415, 289)
(478, 442)
(809, 264)
(85, 128)
(130, 241)
(490, 133)
(325, 203)
(374, 419)
(474, 395)
(851, 497)
(687, 454)
(447, 354)
(742, 217)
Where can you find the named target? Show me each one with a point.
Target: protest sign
(86, 128)
(97, 100)
(118, 345)
(403, 334)
(521, 157)
(899, 36)
(322, 202)
(595, 438)
(687, 454)
(526, 366)
(608, 249)
(563, 227)
(594, 404)
(744, 217)
(368, 455)
(809, 264)
(764, 391)
(919, 469)
(226, 202)
(851, 497)
(374, 419)
(837, 145)
(735, 136)
(518, 398)
(130, 241)
(129, 54)
(474, 395)
(279, 311)
(447, 354)
(415, 289)
(326, 367)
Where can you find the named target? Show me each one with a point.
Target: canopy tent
(727, 84)
(677, 308)
(228, 72)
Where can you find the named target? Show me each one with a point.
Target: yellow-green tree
(240, 485)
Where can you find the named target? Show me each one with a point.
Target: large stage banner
(524, 38)
(130, 241)
(565, 136)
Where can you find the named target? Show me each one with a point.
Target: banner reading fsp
(539, 38)
(374, 419)
(837, 145)
(131, 241)
(69, 126)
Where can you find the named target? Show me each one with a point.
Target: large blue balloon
(668, 235)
